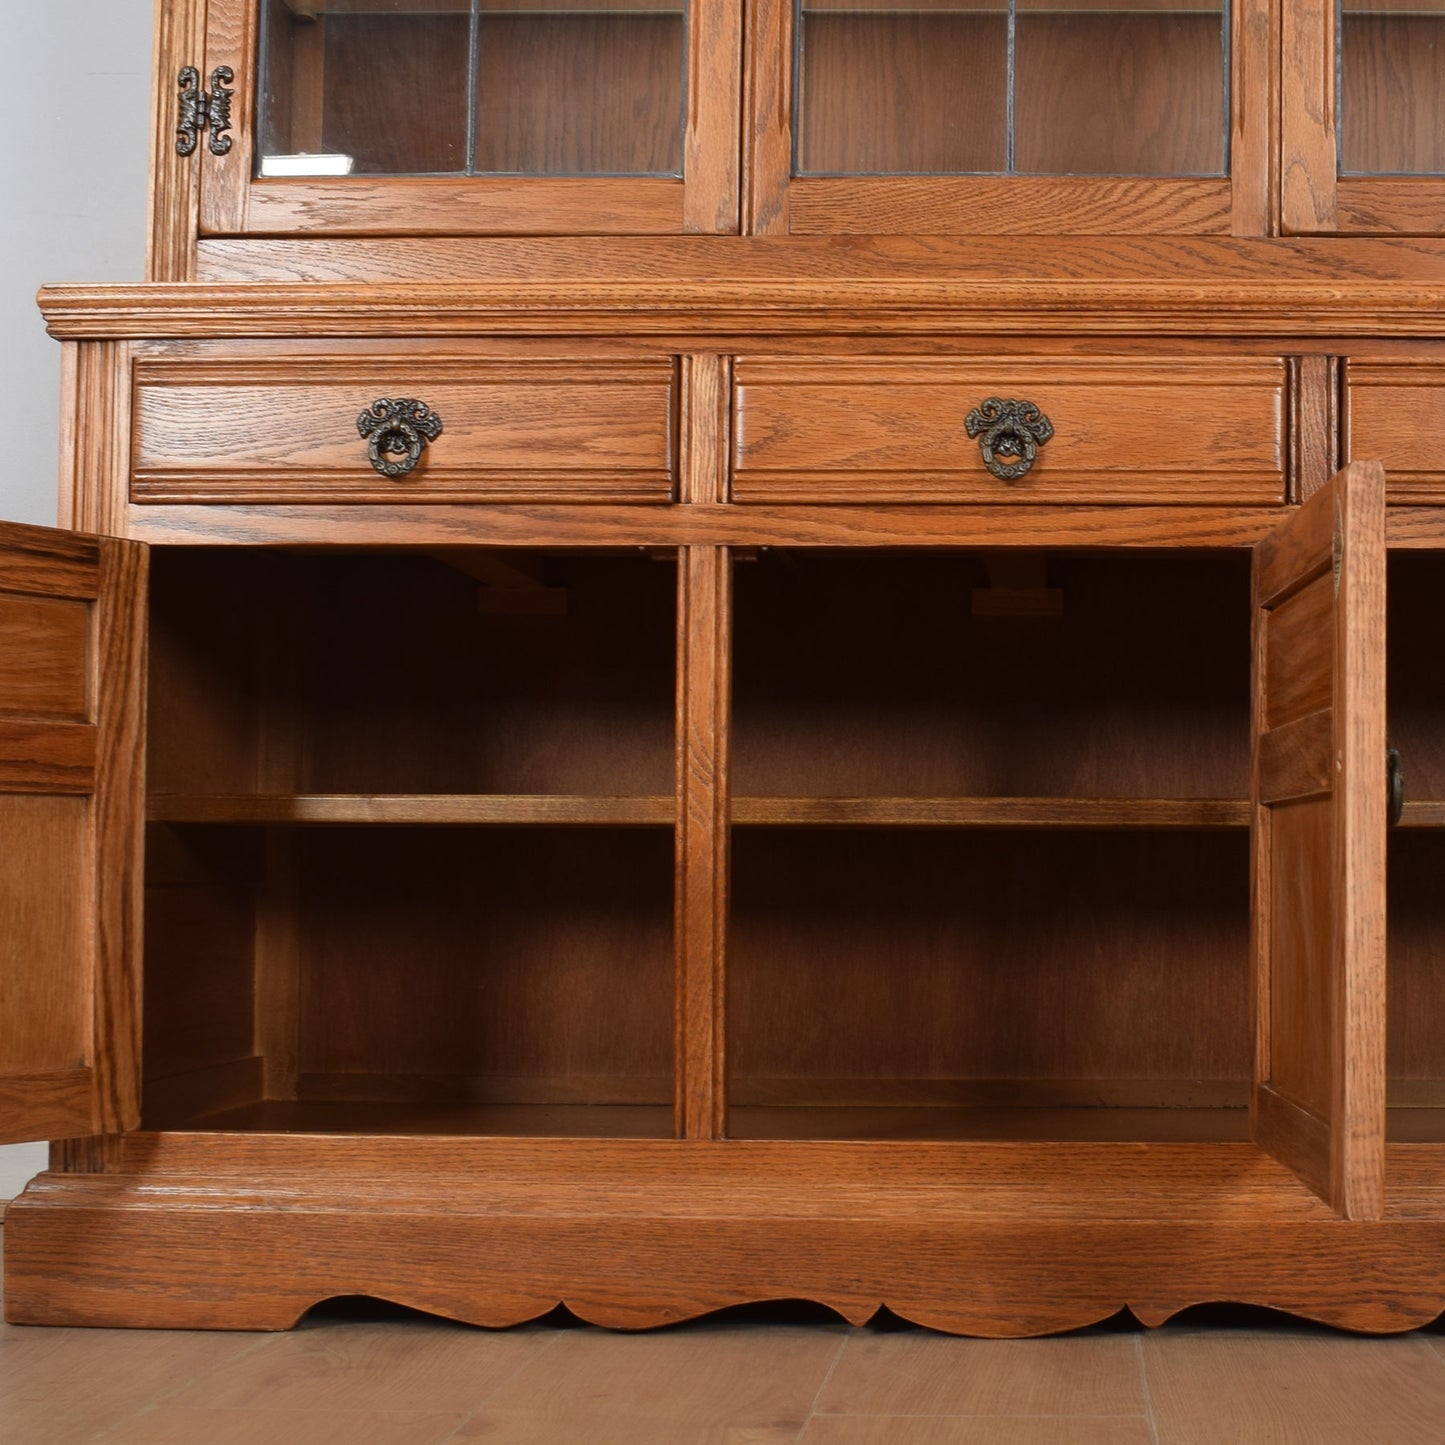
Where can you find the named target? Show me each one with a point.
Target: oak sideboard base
(209, 1231)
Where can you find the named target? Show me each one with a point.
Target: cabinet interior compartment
(1096, 89)
(966, 676)
(1392, 88)
(943, 984)
(409, 858)
(1415, 1046)
(592, 87)
(990, 846)
(363, 676)
(382, 980)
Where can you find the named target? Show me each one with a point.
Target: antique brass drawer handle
(398, 427)
(1012, 430)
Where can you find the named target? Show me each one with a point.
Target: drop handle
(398, 427)
(1394, 786)
(1009, 434)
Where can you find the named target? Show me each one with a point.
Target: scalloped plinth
(212, 1231)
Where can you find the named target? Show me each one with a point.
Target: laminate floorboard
(367, 1373)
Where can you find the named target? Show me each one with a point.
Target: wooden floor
(356, 1373)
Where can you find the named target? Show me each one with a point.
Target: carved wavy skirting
(1031, 1321)
(230, 1231)
(633, 1253)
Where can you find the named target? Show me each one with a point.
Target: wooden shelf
(1423, 815)
(1176, 1126)
(992, 812)
(750, 812)
(420, 808)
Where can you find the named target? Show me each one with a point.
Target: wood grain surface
(70, 788)
(497, 1231)
(1319, 845)
(893, 430)
(1393, 408)
(529, 431)
(1270, 303)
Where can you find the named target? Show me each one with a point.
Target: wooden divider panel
(70, 777)
(1318, 901)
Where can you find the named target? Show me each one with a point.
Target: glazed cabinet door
(1320, 805)
(464, 117)
(989, 117)
(1363, 132)
(71, 656)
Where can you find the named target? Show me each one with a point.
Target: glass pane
(898, 90)
(1042, 87)
(371, 87)
(1392, 87)
(1120, 90)
(591, 89)
(473, 87)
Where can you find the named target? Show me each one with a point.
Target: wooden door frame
(777, 203)
(208, 195)
(1325, 1119)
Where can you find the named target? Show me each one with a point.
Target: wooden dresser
(715, 651)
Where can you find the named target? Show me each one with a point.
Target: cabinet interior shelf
(748, 812)
(517, 808)
(422, 808)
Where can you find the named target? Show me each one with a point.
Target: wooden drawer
(1395, 413)
(285, 431)
(894, 430)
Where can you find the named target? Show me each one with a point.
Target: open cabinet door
(1318, 899)
(71, 671)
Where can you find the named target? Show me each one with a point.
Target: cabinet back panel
(390, 91)
(411, 689)
(536, 955)
(1393, 90)
(871, 677)
(988, 956)
(580, 95)
(199, 938)
(1130, 95)
(903, 93)
(358, 673)
(1414, 676)
(1416, 970)
(206, 631)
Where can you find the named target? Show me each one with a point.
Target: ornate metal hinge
(1010, 429)
(201, 109)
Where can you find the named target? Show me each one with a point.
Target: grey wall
(74, 147)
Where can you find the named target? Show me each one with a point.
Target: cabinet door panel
(1318, 902)
(71, 612)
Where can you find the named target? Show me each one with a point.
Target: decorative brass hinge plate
(201, 110)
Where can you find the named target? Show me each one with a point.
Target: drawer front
(286, 432)
(1142, 430)
(1395, 413)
